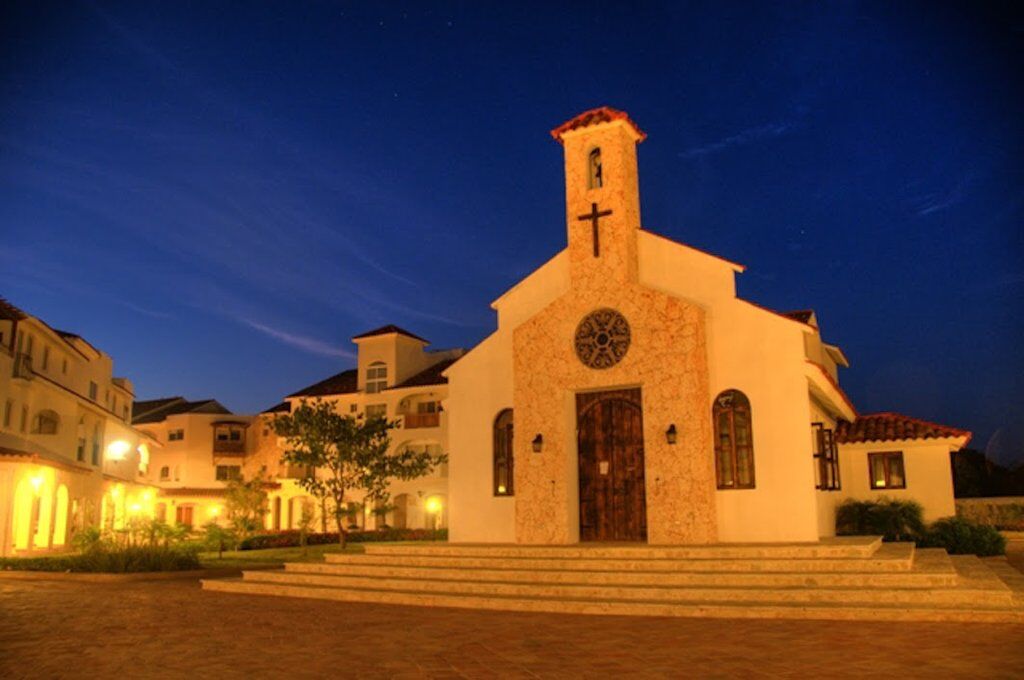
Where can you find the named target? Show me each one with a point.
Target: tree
(346, 454)
(216, 537)
(246, 505)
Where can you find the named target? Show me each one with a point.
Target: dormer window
(595, 177)
(376, 377)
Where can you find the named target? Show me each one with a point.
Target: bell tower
(602, 194)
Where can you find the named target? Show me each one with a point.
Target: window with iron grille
(826, 455)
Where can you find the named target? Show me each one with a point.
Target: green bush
(892, 519)
(289, 539)
(107, 559)
(963, 537)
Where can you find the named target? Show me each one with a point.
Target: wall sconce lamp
(670, 434)
(538, 443)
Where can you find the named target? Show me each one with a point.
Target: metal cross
(594, 216)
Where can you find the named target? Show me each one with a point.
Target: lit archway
(60, 518)
(25, 506)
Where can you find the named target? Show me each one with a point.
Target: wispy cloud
(769, 131)
(147, 312)
(939, 200)
(307, 344)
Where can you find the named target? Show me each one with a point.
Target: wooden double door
(610, 442)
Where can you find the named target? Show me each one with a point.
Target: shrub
(892, 519)
(963, 537)
(218, 538)
(290, 539)
(105, 559)
(88, 538)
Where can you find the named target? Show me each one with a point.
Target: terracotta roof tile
(602, 114)
(176, 406)
(9, 311)
(884, 427)
(390, 328)
(340, 383)
(430, 376)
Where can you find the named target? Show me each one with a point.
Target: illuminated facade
(69, 456)
(203, 445)
(629, 394)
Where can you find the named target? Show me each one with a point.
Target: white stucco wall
(479, 387)
(925, 464)
(761, 354)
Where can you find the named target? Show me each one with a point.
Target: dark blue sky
(221, 194)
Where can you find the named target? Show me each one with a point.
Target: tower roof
(386, 330)
(602, 114)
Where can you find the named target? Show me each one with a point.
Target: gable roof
(888, 426)
(140, 408)
(429, 376)
(602, 114)
(390, 328)
(339, 383)
(173, 406)
(283, 407)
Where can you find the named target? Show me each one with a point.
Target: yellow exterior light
(135, 507)
(433, 505)
(501, 488)
(118, 449)
(147, 496)
(116, 491)
(215, 510)
(37, 482)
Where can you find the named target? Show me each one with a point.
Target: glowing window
(503, 460)
(734, 441)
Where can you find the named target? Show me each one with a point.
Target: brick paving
(172, 629)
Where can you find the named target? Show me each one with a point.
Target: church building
(628, 394)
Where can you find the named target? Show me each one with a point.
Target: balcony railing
(229, 447)
(417, 420)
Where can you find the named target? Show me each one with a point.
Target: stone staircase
(853, 578)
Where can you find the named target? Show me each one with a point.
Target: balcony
(420, 420)
(230, 448)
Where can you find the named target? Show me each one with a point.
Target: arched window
(595, 177)
(46, 422)
(376, 377)
(503, 461)
(734, 441)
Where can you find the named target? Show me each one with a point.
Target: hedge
(290, 538)
(119, 560)
(962, 537)
(903, 521)
(892, 519)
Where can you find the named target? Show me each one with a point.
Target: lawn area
(244, 559)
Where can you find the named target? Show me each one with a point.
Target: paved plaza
(172, 629)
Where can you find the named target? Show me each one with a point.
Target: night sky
(221, 194)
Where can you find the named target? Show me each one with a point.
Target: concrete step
(998, 597)
(888, 557)
(839, 547)
(932, 575)
(738, 609)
